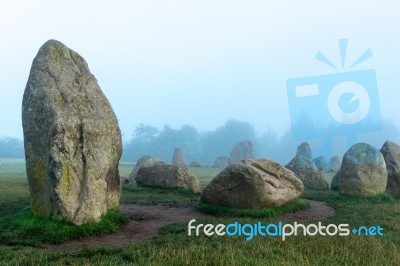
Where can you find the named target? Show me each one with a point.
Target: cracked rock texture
(71, 137)
(252, 184)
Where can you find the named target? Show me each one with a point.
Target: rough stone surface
(391, 153)
(179, 157)
(363, 171)
(168, 176)
(222, 162)
(334, 164)
(321, 163)
(306, 170)
(242, 151)
(143, 161)
(304, 150)
(252, 184)
(71, 137)
(196, 164)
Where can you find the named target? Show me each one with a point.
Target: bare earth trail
(147, 220)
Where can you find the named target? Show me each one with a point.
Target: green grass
(151, 195)
(26, 229)
(329, 176)
(125, 168)
(205, 175)
(175, 247)
(292, 206)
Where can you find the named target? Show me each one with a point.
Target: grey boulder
(304, 150)
(242, 151)
(321, 163)
(309, 174)
(391, 153)
(222, 162)
(252, 184)
(334, 164)
(143, 161)
(363, 171)
(168, 176)
(179, 157)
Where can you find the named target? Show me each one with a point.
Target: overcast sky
(199, 62)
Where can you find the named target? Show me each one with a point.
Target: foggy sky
(199, 62)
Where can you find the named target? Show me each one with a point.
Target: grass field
(174, 247)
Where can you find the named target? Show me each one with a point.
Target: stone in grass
(242, 151)
(142, 162)
(391, 153)
(72, 139)
(252, 184)
(179, 157)
(321, 163)
(222, 162)
(306, 170)
(168, 176)
(363, 171)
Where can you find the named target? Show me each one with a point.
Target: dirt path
(147, 220)
(145, 223)
(318, 211)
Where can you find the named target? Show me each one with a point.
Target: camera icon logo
(344, 103)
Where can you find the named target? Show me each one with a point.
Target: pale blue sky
(199, 62)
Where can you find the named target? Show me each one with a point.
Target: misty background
(202, 75)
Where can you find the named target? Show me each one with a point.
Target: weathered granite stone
(179, 157)
(143, 161)
(72, 138)
(253, 184)
(363, 171)
(242, 151)
(306, 170)
(168, 176)
(391, 153)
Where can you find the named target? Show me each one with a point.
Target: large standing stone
(363, 171)
(391, 153)
(72, 138)
(143, 161)
(221, 162)
(306, 170)
(179, 157)
(242, 151)
(304, 150)
(168, 176)
(334, 164)
(252, 184)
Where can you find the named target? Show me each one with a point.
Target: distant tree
(220, 142)
(148, 140)
(145, 133)
(11, 148)
(142, 143)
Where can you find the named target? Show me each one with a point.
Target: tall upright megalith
(72, 138)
